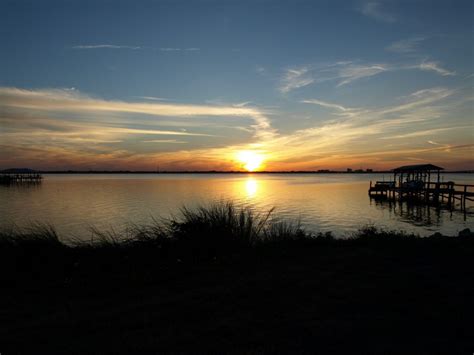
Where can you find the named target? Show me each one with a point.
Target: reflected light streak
(251, 187)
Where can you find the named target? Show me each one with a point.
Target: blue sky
(192, 84)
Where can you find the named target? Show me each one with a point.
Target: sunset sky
(201, 85)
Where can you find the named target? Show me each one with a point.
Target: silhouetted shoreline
(225, 280)
(229, 172)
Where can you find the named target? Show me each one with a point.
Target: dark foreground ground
(363, 296)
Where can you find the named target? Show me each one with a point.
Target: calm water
(323, 202)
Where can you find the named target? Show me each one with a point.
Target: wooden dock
(18, 178)
(451, 194)
(412, 183)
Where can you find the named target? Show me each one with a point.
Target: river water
(73, 203)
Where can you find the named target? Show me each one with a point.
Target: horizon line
(319, 171)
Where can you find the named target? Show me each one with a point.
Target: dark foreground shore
(376, 293)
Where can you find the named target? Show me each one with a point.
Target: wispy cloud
(242, 104)
(343, 72)
(327, 143)
(166, 141)
(375, 10)
(342, 110)
(104, 46)
(348, 72)
(434, 66)
(177, 49)
(152, 98)
(72, 101)
(63, 128)
(352, 73)
(67, 128)
(295, 78)
(428, 132)
(155, 132)
(326, 104)
(409, 45)
(420, 98)
(352, 138)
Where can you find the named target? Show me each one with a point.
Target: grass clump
(371, 233)
(37, 235)
(221, 224)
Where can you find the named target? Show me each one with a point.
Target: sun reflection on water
(251, 187)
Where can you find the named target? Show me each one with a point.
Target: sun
(251, 161)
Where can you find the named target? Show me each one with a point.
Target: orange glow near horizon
(250, 160)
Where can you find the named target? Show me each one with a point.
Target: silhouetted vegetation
(221, 279)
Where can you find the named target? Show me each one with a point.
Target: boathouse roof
(418, 167)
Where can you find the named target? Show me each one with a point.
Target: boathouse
(422, 183)
(415, 177)
(13, 176)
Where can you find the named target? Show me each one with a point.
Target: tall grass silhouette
(204, 232)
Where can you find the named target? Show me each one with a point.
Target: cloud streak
(295, 78)
(353, 139)
(434, 66)
(104, 46)
(75, 102)
(344, 72)
(174, 49)
(348, 72)
(351, 73)
(326, 104)
(428, 132)
(57, 128)
(152, 98)
(166, 141)
(404, 46)
(64, 128)
(327, 144)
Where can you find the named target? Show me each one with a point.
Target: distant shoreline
(229, 172)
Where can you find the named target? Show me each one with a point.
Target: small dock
(421, 183)
(18, 178)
